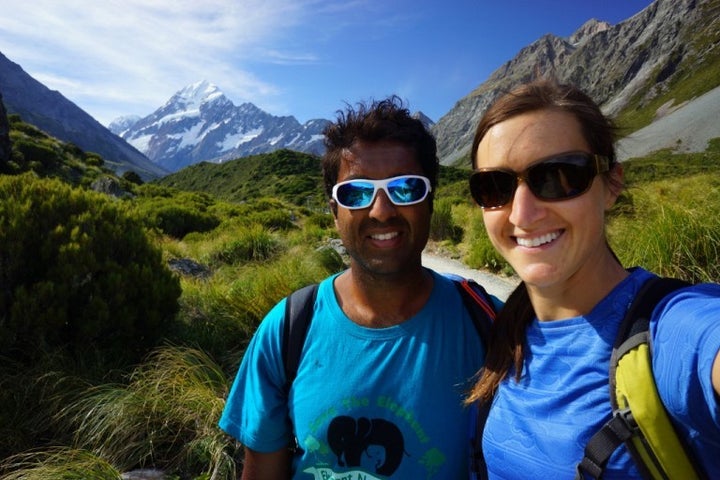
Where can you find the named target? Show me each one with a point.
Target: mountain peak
(199, 123)
(192, 96)
(202, 90)
(587, 30)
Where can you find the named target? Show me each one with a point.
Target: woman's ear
(615, 184)
(333, 207)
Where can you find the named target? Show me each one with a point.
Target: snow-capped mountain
(121, 124)
(199, 123)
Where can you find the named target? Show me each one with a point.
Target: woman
(545, 175)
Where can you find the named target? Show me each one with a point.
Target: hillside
(51, 112)
(286, 174)
(686, 128)
(667, 54)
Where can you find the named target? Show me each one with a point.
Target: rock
(189, 268)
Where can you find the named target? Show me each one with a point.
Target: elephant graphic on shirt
(372, 443)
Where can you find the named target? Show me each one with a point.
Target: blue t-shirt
(538, 427)
(367, 402)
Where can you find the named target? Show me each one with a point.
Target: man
(390, 348)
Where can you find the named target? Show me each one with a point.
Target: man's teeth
(384, 236)
(537, 241)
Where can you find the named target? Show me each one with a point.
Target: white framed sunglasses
(402, 191)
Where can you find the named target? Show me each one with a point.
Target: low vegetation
(123, 318)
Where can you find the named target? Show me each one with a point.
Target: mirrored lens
(355, 194)
(402, 190)
(406, 190)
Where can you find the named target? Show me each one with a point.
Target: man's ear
(333, 207)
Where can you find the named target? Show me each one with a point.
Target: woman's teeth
(537, 241)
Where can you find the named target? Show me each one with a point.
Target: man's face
(384, 238)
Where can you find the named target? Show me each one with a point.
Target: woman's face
(548, 244)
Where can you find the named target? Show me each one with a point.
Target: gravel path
(496, 285)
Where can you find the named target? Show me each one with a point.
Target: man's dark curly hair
(383, 120)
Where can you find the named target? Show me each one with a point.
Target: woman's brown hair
(507, 336)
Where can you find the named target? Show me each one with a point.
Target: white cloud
(136, 53)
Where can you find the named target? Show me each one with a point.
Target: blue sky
(305, 58)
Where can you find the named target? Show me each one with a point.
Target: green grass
(165, 416)
(164, 412)
(58, 463)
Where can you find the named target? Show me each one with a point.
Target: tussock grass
(222, 312)
(165, 416)
(57, 464)
(674, 228)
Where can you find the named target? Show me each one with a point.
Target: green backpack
(639, 418)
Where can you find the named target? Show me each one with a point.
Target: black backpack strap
(622, 426)
(299, 307)
(479, 304)
(481, 307)
(478, 467)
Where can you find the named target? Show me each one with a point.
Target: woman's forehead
(524, 138)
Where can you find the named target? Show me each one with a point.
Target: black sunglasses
(559, 177)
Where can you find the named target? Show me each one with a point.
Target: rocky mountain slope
(199, 123)
(640, 63)
(53, 113)
(634, 61)
(685, 129)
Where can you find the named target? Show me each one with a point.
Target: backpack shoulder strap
(299, 308)
(637, 317)
(481, 307)
(639, 418)
(298, 315)
(479, 304)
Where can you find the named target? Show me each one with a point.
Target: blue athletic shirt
(368, 403)
(538, 427)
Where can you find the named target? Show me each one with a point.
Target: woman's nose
(525, 207)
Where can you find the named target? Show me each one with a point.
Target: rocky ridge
(612, 63)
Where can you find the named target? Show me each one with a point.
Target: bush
(442, 226)
(173, 212)
(132, 177)
(179, 220)
(253, 243)
(78, 275)
(34, 151)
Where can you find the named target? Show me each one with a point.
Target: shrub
(179, 220)
(442, 226)
(254, 243)
(480, 251)
(78, 274)
(94, 159)
(36, 151)
(132, 177)
(173, 212)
